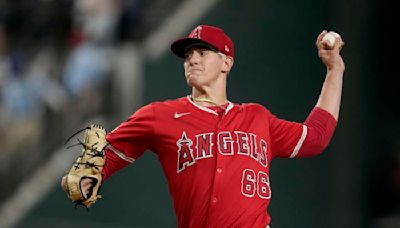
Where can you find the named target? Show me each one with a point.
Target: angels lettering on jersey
(202, 146)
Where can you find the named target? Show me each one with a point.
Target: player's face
(202, 66)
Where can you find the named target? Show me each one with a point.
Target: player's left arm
(331, 93)
(322, 120)
(313, 136)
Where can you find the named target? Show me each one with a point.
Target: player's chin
(191, 80)
(190, 83)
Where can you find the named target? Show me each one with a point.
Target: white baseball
(330, 38)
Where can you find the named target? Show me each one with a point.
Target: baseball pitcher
(215, 153)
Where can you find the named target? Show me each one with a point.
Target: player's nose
(193, 59)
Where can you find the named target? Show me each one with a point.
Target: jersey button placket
(218, 176)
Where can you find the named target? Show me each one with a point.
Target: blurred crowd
(55, 73)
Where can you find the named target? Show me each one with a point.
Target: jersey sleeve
(292, 139)
(320, 125)
(129, 140)
(286, 136)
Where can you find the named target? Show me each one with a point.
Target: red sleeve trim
(320, 128)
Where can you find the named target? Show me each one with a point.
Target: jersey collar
(189, 98)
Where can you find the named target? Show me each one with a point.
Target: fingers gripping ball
(330, 38)
(88, 166)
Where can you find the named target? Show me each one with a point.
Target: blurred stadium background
(66, 63)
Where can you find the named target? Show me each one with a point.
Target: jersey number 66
(252, 183)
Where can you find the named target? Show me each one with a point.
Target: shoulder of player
(169, 103)
(157, 108)
(163, 107)
(253, 106)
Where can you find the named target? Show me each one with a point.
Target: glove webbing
(88, 150)
(94, 151)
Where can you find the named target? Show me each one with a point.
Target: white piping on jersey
(230, 106)
(120, 154)
(300, 142)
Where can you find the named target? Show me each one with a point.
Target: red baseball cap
(204, 35)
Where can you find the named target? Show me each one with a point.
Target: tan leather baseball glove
(88, 166)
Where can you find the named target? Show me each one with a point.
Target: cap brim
(180, 46)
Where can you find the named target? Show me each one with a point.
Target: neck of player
(208, 99)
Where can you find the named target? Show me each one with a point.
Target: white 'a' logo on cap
(196, 33)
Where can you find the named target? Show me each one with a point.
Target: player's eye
(204, 52)
(188, 54)
(199, 52)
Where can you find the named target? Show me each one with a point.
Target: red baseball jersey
(216, 160)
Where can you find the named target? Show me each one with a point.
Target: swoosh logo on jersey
(179, 115)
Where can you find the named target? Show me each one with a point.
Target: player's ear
(227, 64)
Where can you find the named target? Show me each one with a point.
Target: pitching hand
(330, 55)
